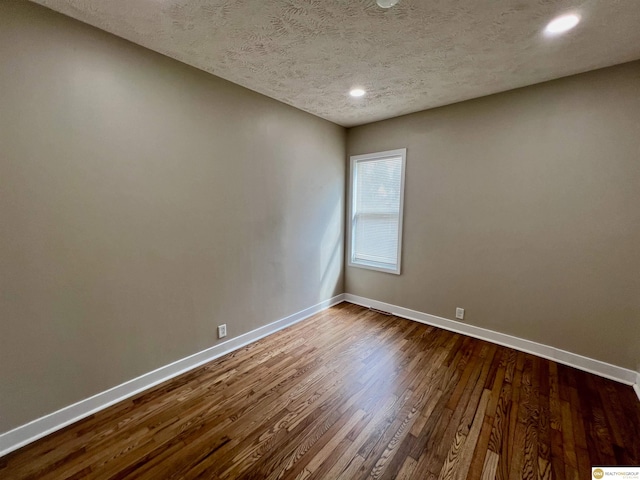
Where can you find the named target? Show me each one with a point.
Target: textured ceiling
(417, 55)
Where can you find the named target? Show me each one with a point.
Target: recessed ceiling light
(357, 92)
(386, 3)
(562, 24)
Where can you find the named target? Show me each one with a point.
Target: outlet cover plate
(222, 331)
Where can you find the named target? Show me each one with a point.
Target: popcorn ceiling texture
(417, 55)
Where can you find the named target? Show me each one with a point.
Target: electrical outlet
(460, 313)
(222, 331)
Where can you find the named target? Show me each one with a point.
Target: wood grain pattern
(353, 394)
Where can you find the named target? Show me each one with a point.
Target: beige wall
(143, 202)
(524, 209)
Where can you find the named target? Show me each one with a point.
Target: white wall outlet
(460, 313)
(222, 331)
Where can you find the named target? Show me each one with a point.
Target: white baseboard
(36, 429)
(597, 367)
(32, 431)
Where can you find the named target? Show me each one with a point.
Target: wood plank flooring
(354, 394)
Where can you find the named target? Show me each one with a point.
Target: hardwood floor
(351, 394)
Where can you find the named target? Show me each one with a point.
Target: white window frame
(401, 152)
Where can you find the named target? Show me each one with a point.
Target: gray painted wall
(143, 202)
(523, 208)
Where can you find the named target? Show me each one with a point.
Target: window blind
(376, 211)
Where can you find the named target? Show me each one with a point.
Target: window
(375, 210)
